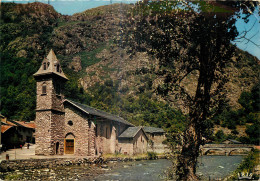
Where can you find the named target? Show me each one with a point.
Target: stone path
(24, 153)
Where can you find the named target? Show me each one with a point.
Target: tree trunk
(187, 160)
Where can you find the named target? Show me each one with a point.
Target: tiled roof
(149, 129)
(96, 112)
(26, 124)
(130, 132)
(4, 128)
(51, 63)
(8, 123)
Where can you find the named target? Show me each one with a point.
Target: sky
(69, 7)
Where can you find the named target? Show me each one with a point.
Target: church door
(69, 146)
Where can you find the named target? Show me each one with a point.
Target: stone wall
(42, 133)
(44, 101)
(80, 128)
(57, 133)
(106, 140)
(126, 146)
(140, 143)
(12, 165)
(157, 139)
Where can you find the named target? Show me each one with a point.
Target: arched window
(44, 88)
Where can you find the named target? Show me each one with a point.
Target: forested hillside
(101, 74)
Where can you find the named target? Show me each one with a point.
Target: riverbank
(250, 166)
(23, 164)
(150, 170)
(63, 168)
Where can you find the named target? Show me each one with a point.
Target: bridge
(226, 149)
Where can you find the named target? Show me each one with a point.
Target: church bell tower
(50, 114)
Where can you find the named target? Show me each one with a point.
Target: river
(152, 170)
(146, 170)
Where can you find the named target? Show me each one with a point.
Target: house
(26, 131)
(16, 133)
(156, 138)
(133, 141)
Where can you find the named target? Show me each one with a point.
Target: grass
(119, 155)
(148, 155)
(13, 176)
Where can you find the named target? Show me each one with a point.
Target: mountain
(101, 73)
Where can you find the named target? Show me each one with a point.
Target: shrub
(152, 155)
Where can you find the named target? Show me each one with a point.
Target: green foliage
(13, 176)
(245, 101)
(253, 133)
(247, 165)
(18, 90)
(248, 114)
(152, 155)
(220, 136)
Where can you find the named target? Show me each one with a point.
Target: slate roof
(51, 66)
(130, 132)
(232, 141)
(149, 129)
(96, 112)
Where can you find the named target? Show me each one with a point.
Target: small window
(44, 66)
(107, 132)
(70, 123)
(58, 68)
(44, 88)
(58, 89)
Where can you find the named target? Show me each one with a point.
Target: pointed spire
(51, 56)
(50, 65)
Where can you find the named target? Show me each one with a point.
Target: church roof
(149, 129)
(96, 112)
(50, 65)
(131, 132)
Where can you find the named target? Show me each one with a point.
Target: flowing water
(209, 167)
(212, 167)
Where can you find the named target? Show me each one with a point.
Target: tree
(187, 38)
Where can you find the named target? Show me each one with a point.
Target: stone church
(67, 127)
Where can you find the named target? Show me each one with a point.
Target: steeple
(50, 65)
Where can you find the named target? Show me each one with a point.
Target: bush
(247, 165)
(152, 155)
